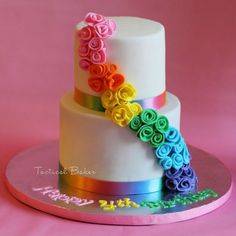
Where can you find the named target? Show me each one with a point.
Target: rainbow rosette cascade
(117, 97)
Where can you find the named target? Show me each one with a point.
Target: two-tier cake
(119, 128)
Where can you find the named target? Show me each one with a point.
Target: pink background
(36, 68)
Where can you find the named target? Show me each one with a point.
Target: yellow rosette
(122, 115)
(126, 93)
(135, 108)
(109, 99)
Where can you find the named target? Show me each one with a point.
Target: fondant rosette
(181, 180)
(174, 148)
(135, 123)
(109, 99)
(92, 48)
(135, 108)
(104, 77)
(118, 106)
(150, 126)
(121, 115)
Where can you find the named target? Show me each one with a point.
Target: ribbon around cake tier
(94, 103)
(109, 187)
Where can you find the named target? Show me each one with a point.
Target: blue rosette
(163, 151)
(177, 161)
(173, 148)
(166, 163)
(179, 146)
(186, 155)
(172, 135)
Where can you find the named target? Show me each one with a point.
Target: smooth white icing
(138, 49)
(90, 140)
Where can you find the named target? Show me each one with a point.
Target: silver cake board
(32, 178)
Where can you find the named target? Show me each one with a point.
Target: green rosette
(145, 133)
(162, 124)
(135, 123)
(157, 139)
(149, 116)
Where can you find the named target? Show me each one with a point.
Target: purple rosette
(163, 150)
(184, 185)
(177, 161)
(182, 180)
(173, 173)
(172, 135)
(171, 184)
(188, 171)
(186, 166)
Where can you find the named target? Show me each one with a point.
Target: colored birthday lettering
(180, 200)
(120, 203)
(210, 192)
(126, 202)
(150, 204)
(107, 206)
(55, 195)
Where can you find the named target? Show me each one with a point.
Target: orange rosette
(98, 70)
(107, 74)
(96, 84)
(114, 81)
(112, 68)
(102, 70)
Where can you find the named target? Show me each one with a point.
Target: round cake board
(32, 178)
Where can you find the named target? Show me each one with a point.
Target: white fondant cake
(88, 139)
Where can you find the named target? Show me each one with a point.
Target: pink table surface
(36, 68)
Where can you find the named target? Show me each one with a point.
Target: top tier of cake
(138, 48)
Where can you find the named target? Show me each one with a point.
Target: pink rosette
(111, 23)
(91, 37)
(86, 34)
(84, 50)
(93, 18)
(84, 64)
(98, 57)
(96, 44)
(103, 29)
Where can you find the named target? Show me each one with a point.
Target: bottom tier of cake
(92, 146)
